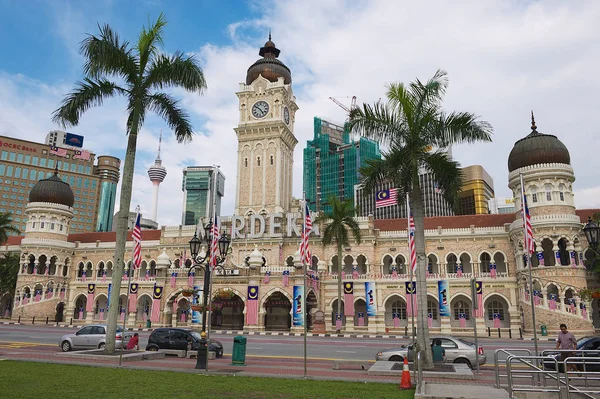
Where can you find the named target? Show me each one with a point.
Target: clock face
(260, 109)
(286, 115)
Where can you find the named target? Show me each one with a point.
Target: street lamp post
(203, 262)
(592, 234)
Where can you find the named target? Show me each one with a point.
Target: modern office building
(108, 172)
(332, 162)
(501, 205)
(23, 163)
(60, 138)
(477, 190)
(202, 186)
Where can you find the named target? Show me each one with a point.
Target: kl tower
(157, 174)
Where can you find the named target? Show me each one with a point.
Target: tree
(9, 271)
(113, 67)
(6, 226)
(415, 130)
(338, 222)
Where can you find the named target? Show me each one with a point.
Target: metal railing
(584, 374)
(532, 372)
(497, 360)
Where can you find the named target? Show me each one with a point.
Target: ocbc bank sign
(19, 147)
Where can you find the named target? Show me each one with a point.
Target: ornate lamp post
(203, 262)
(592, 234)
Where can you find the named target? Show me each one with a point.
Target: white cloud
(504, 59)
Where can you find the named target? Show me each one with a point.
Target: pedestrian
(437, 351)
(134, 342)
(566, 341)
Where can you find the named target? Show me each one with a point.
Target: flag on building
(411, 298)
(581, 260)
(558, 263)
(83, 276)
(38, 295)
(429, 320)
(286, 278)
(104, 275)
(479, 294)
(437, 188)
(173, 279)
(214, 244)
(361, 319)
(386, 198)
(338, 321)
(349, 299)
(156, 296)
(252, 304)
(496, 320)
(91, 292)
(136, 234)
(536, 298)
(267, 277)
(573, 257)
(101, 314)
(396, 320)
(462, 320)
(526, 294)
(459, 270)
(17, 301)
(83, 154)
(583, 309)
(133, 292)
(306, 228)
(191, 275)
(572, 305)
(493, 272)
(552, 301)
(394, 272)
(354, 271)
(61, 152)
(147, 275)
(49, 293)
(63, 290)
(411, 243)
(25, 298)
(540, 257)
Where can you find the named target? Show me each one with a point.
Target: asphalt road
(280, 347)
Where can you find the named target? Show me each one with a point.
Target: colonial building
(57, 267)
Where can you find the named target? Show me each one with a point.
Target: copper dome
(537, 148)
(269, 66)
(52, 190)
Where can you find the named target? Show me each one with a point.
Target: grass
(31, 379)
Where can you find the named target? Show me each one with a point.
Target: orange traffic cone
(405, 382)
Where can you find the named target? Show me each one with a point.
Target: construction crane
(342, 106)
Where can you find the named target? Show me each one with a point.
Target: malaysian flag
(83, 154)
(61, 152)
(527, 226)
(462, 320)
(573, 257)
(459, 270)
(137, 242)
(386, 198)
(214, 244)
(304, 250)
(411, 243)
(496, 320)
(552, 301)
(286, 278)
(493, 270)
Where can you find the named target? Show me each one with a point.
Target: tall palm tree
(416, 131)
(338, 222)
(6, 226)
(113, 67)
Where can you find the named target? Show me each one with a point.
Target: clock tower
(265, 135)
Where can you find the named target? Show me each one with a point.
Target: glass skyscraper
(198, 186)
(332, 163)
(108, 172)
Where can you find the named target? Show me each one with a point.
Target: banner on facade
(156, 296)
(196, 315)
(411, 298)
(349, 299)
(108, 296)
(298, 310)
(370, 298)
(252, 304)
(133, 293)
(91, 293)
(443, 297)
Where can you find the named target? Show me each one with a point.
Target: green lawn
(30, 380)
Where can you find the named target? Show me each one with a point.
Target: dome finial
(56, 170)
(533, 126)
(269, 34)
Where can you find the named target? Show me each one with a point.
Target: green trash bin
(148, 324)
(544, 330)
(238, 357)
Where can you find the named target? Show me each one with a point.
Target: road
(46, 338)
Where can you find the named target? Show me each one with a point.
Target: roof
(111, 236)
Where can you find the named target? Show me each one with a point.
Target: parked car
(585, 343)
(458, 350)
(178, 339)
(92, 336)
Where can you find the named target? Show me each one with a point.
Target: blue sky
(504, 58)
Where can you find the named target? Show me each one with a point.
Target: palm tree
(416, 131)
(6, 226)
(113, 67)
(338, 221)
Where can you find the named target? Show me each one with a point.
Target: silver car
(457, 350)
(91, 337)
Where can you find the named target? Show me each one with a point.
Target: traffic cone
(405, 382)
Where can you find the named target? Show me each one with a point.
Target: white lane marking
(345, 352)
(253, 347)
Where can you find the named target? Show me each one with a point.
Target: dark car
(586, 343)
(179, 339)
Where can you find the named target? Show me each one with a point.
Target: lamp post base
(202, 358)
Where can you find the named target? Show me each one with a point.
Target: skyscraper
(477, 190)
(332, 162)
(201, 186)
(108, 172)
(157, 174)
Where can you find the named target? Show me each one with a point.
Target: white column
(250, 189)
(278, 176)
(264, 176)
(154, 211)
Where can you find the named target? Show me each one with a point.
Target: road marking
(345, 352)
(16, 345)
(252, 347)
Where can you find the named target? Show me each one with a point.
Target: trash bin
(148, 324)
(544, 330)
(238, 357)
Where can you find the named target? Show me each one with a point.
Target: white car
(91, 337)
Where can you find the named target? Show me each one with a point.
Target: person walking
(566, 341)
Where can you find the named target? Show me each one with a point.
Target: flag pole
(528, 265)
(129, 272)
(412, 302)
(304, 210)
(210, 269)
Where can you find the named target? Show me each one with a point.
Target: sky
(504, 58)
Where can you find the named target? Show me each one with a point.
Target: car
(178, 339)
(458, 350)
(91, 337)
(586, 343)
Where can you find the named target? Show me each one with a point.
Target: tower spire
(159, 143)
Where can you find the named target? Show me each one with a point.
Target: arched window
(451, 260)
(485, 260)
(495, 307)
(548, 189)
(534, 196)
(432, 308)
(561, 192)
(400, 308)
(462, 307)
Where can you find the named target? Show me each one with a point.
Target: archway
(360, 309)
(395, 312)
(227, 313)
(52, 267)
(563, 253)
(101, 309)
(451, 264)
(547, 249)
(31, 265)
(500, 261)
(433, 312)
(387, 264)
(79, 311)
(60, 312)
(42, 264)
(277, 312)
(401, 264)
(496, 308)
(432, 264)
(334, 309)
(182, 311)
(311, 308)
(361, 262)
(462, 316)
(465, 260)
(143, 308)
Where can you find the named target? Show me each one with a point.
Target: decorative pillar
(545, 299)
(555, 253)
(561, 303)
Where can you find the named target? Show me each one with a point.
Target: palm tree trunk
(121, 239)
(416, 203)
(340, 282)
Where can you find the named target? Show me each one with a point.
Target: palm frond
(177, 70)
(460, 127)
(447, 173)
(107, 54)
(87, 94)
(376, 122)
(6, 226)
(150, 40)
(430, 93)
(177, 119)
(401, 101)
